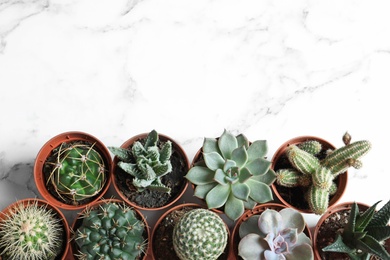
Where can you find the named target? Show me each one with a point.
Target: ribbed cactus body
(292, 178)
(323, 178)
(112, 231)
(311, 146)
(302, 160)
(318, 199)
(199, 235)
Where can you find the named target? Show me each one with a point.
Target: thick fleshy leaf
(220, 177)
(218, 196)
(242, 141)
(260, 192)
(245, 174)
(210, 145)
(213, 160)
(372, 246)
(241, 191)
(250, 204)
(258, 166)
(258, 149)
(252, 246)
(267, 178)
(303, 251)
(270, 221)
(292, 219)
(122, 153)
(227, 143)
(290, 235)
(199, 175)
(234, 208)
(270, 255)
(202, 190)
(130, 168)
(229, 164)
(250, 226)
(240, 156)
(151, 139)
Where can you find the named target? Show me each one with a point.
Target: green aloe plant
(364, 234)
(234, 174)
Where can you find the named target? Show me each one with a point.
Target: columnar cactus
(31, 232)
(77, 171)
(199, 235)
(234, 174)
(110, 231)
(146, 163)
(319, 174)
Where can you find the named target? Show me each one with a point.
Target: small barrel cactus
(199, 235)
(31, 232)
(77, 171)
(275, 235)
(146, 163)
(110, 231)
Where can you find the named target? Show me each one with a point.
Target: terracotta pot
(66, 233)
(177, 151)
(235, 238)
(170, 229)
(279, 161)
(78, 221)
(46, 151)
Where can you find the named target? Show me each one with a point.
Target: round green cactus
(78, 171)
(200, 234)
(110, 231)
(30, 232)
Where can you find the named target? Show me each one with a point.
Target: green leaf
(250, 204)
(364, 219)
(137, 149)
(251, 225)
(379, 233)
(260, 192)
(202, 190)
(122, 153)
(166, 152)
(220, 177)
(227, 143)
(240, 156)
(382, 217)
(350, 227)
(214, 160)
(245, 174)
(338, 246)
(258, 149)
(199, 175)
(242, 141)
(258, 166)
(218, 196)
(151, 139)
(229, 164)
(241, 191)
(162, 169)
(267, 178)
(372, 246)
(130, 168)
(210, 145)
(234, 208)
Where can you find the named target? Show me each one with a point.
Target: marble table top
(271, 70)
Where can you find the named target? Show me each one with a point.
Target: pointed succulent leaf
(240, 156)
(210, 145)
(364, 219)
(258, 149)
(158, 186)
(213, 160)
(227, 143)
(166, 152)
(370, 245)
(234, 207)
(199, 175)
(151, 139)
(250, 203)
(267, 178)
(162, 169)
(258, 166)
(129, 168)
(382, 217)
(138, 149)
(141, 183)
(252, 246)
(379, 233)
(260, 192)
(293, 219)
(202, 190)
(250, 226)
(350, 228)
(240, 191)
(338, 246)
(220, 177)
(242, 141)
(229, 164)
(245, 174)
(153, 153)
(122, 153)
(218, 196)
(150, 174)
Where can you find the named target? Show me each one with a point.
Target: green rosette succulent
(147, 163)
(275, 235)
(77, 171)
(234, 174)
(110, 231)
(200, 234)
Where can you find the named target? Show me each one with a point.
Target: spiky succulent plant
(318, 175)
(147, 163)
(110, 231)
(275, 235)
(77, 171)
(364, 234)
(31, 232)
(200, 234)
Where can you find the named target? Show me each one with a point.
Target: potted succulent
(110, 229)
(271, 231)
(72, 169)
(190, 231)
(353, 230)
(32, 229)
(314, 172)
(148, 171)
(232, 174)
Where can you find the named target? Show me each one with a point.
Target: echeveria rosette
(234, 174)
(275, 235)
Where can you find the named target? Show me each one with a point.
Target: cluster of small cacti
(77, 171)
(110, 231)
(31, 232)
(147, 163)
(200, 234)
(316, 174)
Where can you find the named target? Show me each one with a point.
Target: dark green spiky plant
(110, 231)
(77, 171)
(364, 234)
(318, 175)
(147, 163)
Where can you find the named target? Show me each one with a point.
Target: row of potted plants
(230, 174)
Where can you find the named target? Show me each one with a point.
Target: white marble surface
(189, 69)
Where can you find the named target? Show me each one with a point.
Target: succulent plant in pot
(234, 174)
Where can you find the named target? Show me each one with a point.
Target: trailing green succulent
(31, 232)
(234, 174)
(275, 235)
(318, 175)
(364, 234)
(77, 171)
(147, 163)
(110, 231)
(200, 234)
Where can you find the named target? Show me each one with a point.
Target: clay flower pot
(8, 211)
(41, 174)
(297, 200)
(152, 199)
(235, 237)
(73, 250)
(163, 230)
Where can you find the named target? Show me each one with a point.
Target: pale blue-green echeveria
(234, 174)
(275, 235)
